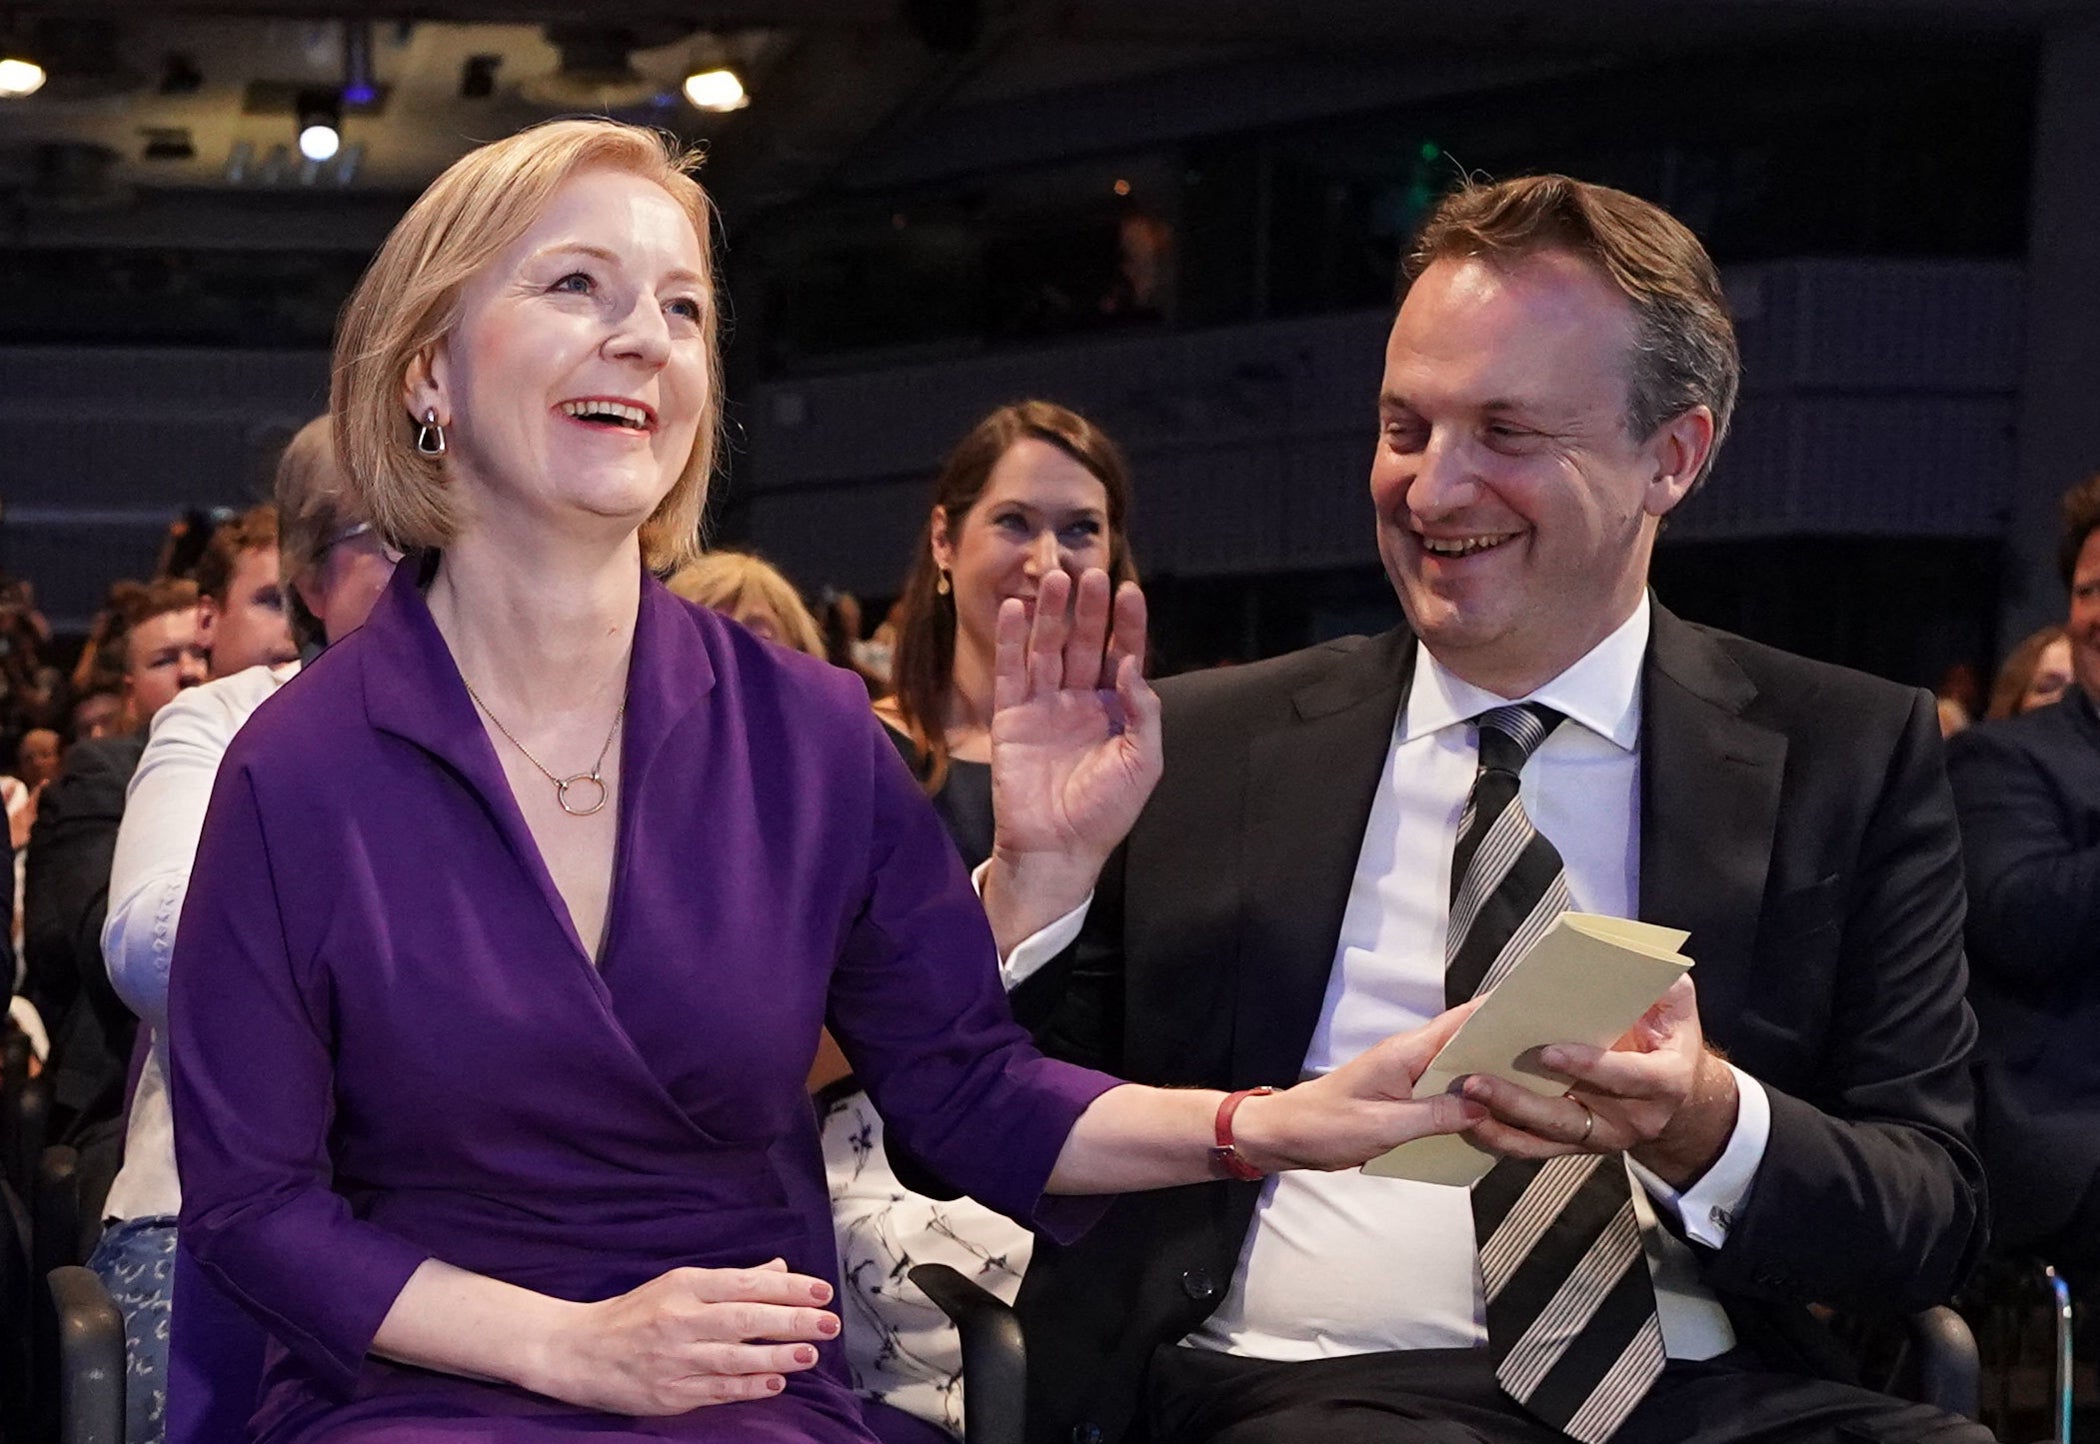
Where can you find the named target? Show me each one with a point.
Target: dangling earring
(940, 586)
(430, 437)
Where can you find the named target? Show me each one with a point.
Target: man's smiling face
(1516, 511)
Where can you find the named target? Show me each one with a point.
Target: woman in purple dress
(516, 916)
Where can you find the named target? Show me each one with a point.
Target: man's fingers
(1562, 1120)
(1618, 1074)
(1441, 1113)
(1503, 1141)
(1089, 631)
(1010, 655)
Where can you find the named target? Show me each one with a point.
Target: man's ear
(207, 617)
(1678, 449)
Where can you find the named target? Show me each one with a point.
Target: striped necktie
(1570, 1307)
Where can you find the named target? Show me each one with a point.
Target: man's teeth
(1462, 546)
(613, 411)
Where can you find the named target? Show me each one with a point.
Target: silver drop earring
(430, 437)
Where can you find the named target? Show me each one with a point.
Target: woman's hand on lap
(689, 1338)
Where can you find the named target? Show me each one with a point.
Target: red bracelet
(1226, 1157)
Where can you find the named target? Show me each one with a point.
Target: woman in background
(752, 593)
(1033, 488)
(2034, 675)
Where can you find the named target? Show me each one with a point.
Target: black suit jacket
(1794, 818)
(2028, 790)
(65, 897)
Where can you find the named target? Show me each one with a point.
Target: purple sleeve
(917, 1005)
(252, 1062)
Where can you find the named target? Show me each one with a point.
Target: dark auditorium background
(1179, 216)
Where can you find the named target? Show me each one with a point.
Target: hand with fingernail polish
(688, 1338)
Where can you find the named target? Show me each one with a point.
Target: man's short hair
(2081, 517)
(1684, 348)
(156, 599)
(253, 530)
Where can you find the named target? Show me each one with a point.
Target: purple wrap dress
(390, 1045)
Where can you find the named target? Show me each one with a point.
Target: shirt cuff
(1708, 1209)
(1038, 948)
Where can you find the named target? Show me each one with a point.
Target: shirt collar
(1602, 691)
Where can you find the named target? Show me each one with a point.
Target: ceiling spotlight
(19, 75)
(320, 125)
(716, 90)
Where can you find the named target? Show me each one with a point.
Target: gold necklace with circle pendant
(595, 777)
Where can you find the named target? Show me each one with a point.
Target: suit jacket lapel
(1311, 782)
(1710, 785)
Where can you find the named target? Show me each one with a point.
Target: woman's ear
(427, 386)
(937, 536)
(308, 585)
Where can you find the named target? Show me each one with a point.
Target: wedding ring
(1589, 1120)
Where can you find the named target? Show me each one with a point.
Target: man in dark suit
(2028, 789)
(65, 889)
(1355, 837)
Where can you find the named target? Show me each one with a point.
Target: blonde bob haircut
(409, 299)
(734, 583)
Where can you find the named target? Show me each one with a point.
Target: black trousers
(1449, 1396)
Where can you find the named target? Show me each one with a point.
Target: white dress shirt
(1344, 1263)
(148, 880)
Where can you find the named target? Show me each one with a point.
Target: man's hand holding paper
(1659, 1093)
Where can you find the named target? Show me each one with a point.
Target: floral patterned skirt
(902, 1349)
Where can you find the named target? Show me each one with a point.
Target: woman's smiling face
(1040, 511)
(573, 379)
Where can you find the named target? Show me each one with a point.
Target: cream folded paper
(1587, 980)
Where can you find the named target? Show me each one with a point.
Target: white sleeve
(156, 843)
(1707, 1210)
(1038, 948)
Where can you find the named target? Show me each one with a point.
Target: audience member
(1032, 489)
(65, 883)
(37, 757)
(479, 1130)
(149, 876)
(1560, 372)
(2029, 793)
(96, 713)
(241, 609)
(161, 644)
(2035, 674)
(102, 655)
(337, 562)
(839, 622)
(36, 763)
(753, 594)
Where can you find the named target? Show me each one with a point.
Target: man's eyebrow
(1394, 401)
